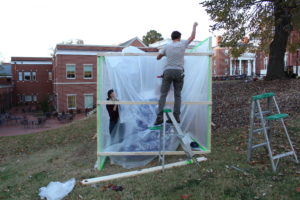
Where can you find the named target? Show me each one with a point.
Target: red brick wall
(41, 87)
(5, 81)
(79, 86)
(219, 66)
(6, 98)
(137, 43)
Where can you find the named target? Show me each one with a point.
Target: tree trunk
(279, 43)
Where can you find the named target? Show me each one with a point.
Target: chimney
(245, 40)
(219, 40)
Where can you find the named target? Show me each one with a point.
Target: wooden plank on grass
(138, 172)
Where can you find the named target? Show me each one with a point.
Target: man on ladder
(173, 72)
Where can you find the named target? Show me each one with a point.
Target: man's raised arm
(193, 35)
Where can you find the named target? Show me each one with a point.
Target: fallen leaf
(298, 189)
(186, 196)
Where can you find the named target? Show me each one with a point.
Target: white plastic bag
(57, 190)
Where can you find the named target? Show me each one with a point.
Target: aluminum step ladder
(265, 117)
(184, 139)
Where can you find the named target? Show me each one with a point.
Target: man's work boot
(158, 121)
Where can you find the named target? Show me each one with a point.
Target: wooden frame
(148, 54)
(149, 153)
(102, 155)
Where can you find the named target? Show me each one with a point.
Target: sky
(33, 27)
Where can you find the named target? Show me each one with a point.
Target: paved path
(13, 128)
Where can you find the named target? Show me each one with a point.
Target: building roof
(97, 48)
(131, 41)
(5, 69)
(31, 59)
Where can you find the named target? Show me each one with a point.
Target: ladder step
(277, 116)
(167, 110)
(259, 145)
(154, 128)
(263, 96)
(260, 130)
(282, 155)
(263, 113)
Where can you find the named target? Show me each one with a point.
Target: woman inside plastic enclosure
(113, 111)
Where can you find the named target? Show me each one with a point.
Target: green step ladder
(183, 138)
(265, 118)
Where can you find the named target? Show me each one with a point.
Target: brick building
(74, 73)
(247, 64)
(6, 87)
(32, 77)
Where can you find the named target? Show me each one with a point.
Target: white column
(249, 68)
(240, 66)
(230, 71)
(254, 66)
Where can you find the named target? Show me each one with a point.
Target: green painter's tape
(189, 162)
(101, 159)
(198, 45)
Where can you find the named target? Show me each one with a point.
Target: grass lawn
(29, 162)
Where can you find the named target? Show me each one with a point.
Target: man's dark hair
(175, 35)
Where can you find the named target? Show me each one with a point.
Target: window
(226, 52)
(27, 98)
(20, 76)
(27, 76)
(70, 71)
(87, 71)
(50, 76)
(71, 101)
(33, 76)
(88, 101)
(226, 61)
(34, 98)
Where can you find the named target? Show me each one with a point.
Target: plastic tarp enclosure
(134, 79)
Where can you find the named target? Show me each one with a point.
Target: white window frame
(71, 108)
(27, 100)
(33, 76)
(226, 51)
(91, 65)
(50, 76)
(67, 71)
(226, 61)
(20, 76)
(25, 75)
(92, 100)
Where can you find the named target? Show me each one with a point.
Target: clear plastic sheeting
(134, 79)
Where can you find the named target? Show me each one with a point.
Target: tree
(151, 37)
(268, 23)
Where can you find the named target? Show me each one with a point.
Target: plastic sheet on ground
(57, 190)
(134, 78)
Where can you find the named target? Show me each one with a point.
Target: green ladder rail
(265, 117)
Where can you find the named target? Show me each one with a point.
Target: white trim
(71, 95)
(76, 52)
(150, 54)
(91, 71)
(31, 62)
(73, 83)
(74, 72)
(152, 102)
(84, 95)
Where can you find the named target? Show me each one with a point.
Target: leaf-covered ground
(29, 162)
